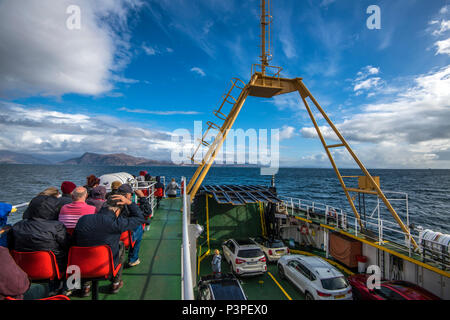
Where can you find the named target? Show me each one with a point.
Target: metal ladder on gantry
(266, 82)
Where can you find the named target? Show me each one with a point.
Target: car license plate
(251, 262)
(339, 296)
(279, 251)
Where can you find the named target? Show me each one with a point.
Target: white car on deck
(273, 249)
(315, 277)
(244, 256)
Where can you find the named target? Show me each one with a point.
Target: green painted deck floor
(158, 276)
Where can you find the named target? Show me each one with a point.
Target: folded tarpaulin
(345, 249)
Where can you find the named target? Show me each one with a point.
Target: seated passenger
(47, 200)
(14, 281)
(72, 212)
(97, 198)
(127, 191)
(171, 189)
(91, 182)
(105, 228)
(67, 187)
(114, 186)
(40, 230)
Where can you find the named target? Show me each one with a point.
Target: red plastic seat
(38, 265)
(95, 263)
(127, 239)
(58, 297)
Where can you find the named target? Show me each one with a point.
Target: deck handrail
(379, 224)
(186, 271)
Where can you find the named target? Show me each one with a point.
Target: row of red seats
(95, 263)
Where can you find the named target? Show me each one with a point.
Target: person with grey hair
(72, 212)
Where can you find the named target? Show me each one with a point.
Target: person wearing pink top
(70, 213)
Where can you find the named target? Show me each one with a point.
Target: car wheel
(356, 295)
(309, 296)
(281, 271)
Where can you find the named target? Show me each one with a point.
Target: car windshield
(227, 290)
(250, 253)
(334, 283)
(276, 244)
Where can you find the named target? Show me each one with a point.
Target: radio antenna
(266, 20)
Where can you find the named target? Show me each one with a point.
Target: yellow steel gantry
(266, 82)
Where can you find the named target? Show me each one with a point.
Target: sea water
(428, 190)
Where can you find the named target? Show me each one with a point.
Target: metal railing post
(188, 289)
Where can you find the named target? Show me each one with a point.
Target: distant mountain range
(115, 159)
(10, 157)
(89, 159)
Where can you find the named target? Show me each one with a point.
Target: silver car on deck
(244, 256)
(315, 277)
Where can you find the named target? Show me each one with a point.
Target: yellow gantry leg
(305, 93)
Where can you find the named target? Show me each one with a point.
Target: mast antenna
(266, 20)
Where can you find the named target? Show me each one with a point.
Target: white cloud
(39, 55)
(367, 84)
(287, 132)
(443, 46)
(44, 131)
(444, 9)
(198, 71)
(161, 113)
(444, 26)
(149, 50)
(366, 72)
(410, 130)
(365, 81)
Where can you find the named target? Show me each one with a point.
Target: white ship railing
(385, 231)
(187, 292)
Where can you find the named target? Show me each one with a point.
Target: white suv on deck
(315, 277)
(244, 257)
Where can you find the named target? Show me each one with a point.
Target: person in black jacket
(40, 230)
(105, 228)
(48, 201)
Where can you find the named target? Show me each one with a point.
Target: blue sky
(138, 70)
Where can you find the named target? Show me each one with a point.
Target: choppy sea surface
(428, 190)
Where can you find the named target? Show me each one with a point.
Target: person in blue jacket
(5, 209)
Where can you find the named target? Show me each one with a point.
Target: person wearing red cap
(67, 188)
